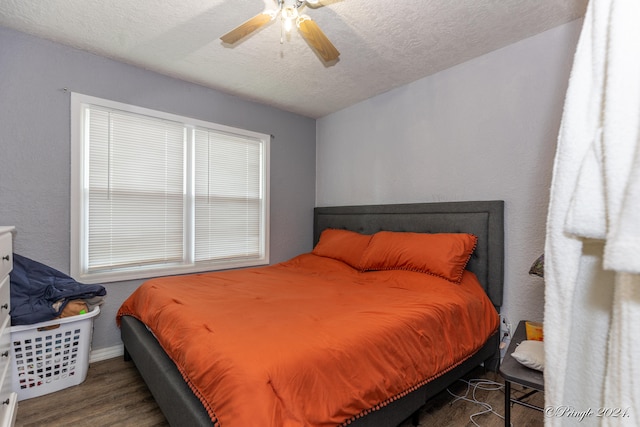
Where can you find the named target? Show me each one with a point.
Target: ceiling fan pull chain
(281, 30)
(280, 10)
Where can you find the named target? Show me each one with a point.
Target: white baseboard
(106, 353)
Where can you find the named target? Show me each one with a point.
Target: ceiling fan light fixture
(289, 15)
(288, 25)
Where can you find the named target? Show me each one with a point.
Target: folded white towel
(587, 215)
(622, 252)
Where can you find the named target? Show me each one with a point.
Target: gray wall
(35, 149)
(485, 129)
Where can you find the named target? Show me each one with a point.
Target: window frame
(80, 203)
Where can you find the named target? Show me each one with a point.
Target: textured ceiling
(383, 43)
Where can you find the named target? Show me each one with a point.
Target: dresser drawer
(5, 298)
(8, 399)
(6, 254)
(8, 410)
(5, 360)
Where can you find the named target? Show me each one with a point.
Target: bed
(483, 219)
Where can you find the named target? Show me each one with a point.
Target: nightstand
(514, 372)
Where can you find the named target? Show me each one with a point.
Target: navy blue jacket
(35, 287)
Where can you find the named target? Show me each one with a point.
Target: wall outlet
(505, 335)
(505, 326)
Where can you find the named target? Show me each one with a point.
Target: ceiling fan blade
(316, 38)
(246, 28)
(321, 3)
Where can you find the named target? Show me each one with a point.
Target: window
(158, 194)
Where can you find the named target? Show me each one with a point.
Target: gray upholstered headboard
(485, 219)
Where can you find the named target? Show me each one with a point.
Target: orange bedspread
(311, 341)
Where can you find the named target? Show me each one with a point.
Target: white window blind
(136, 203)
(155, 193)
(227, 196)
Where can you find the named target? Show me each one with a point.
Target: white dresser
(8, 398)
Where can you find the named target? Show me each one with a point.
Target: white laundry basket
(50, 356)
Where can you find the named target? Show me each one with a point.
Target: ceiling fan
(289, 13)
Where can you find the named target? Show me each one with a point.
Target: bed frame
(482, 218)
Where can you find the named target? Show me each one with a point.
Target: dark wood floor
(115, 395)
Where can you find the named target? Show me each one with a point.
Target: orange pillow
(441, 254)
(343, 245)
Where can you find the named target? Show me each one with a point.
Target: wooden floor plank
(114, 394)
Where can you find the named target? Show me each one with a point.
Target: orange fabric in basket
(311, 341)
